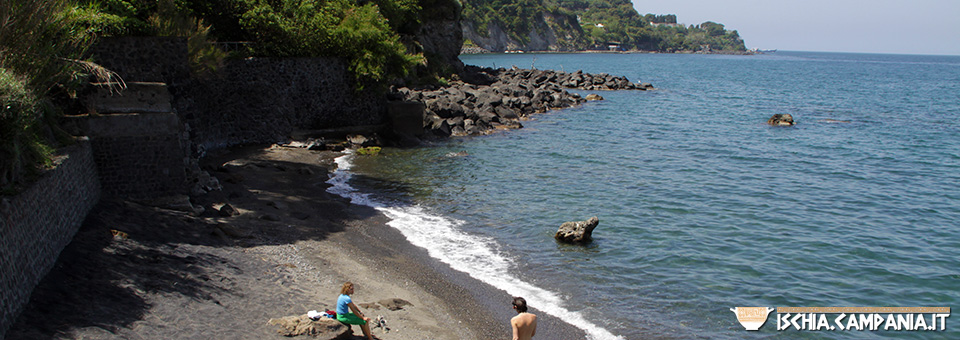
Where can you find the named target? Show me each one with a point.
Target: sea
(702, 206)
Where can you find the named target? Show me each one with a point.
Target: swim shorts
(351, 318)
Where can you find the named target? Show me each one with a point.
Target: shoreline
(171, 274)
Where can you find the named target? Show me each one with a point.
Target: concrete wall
(39, 222)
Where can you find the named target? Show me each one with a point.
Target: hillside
(575, 25)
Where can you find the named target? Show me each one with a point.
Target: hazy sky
(873, 26)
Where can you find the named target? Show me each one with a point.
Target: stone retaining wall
(262, 100)
(39, 222)
(139, 145)
(141, 166)
(249, 100)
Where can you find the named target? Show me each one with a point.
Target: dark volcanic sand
(180, 276)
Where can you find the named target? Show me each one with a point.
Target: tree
(713, 29)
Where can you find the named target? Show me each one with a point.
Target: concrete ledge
(125, 125)
(138, 97)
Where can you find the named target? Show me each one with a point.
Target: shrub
(364, 33)
(21, 148)
(41, 43)
(309, 28)
(171, 21)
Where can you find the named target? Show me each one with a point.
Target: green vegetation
(600, 23)
(367, 34)
(611, 21)
(41, 43)
(171, 21)
(360, 34)
(709, 36)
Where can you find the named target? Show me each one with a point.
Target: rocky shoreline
(484, 100)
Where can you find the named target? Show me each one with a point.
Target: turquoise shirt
(343, 303)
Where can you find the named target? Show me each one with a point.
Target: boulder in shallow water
(577, 232)
(363, 141)
(594, 96)
(781, 119)
(369, 151)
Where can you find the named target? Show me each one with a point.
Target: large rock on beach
(577, 232)
(175, 202)
(394, 304)
(323, 328)
(228, 210)
(781, 119)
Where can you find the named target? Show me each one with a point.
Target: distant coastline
(478, 50)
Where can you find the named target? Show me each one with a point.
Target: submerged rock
(369, 151)
(781, 119)
(835, 121)
(577, 232)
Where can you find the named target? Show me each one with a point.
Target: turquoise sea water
(702, 206)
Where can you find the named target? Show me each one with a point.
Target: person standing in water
(348, 313)
(524, 324)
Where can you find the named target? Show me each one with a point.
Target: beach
(139, 271)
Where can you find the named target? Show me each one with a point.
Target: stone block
(138, 97)
(130, 125)
(407, 117)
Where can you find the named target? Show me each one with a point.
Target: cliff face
(550, 32)
(439, 36)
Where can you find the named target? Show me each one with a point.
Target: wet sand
(170, 274)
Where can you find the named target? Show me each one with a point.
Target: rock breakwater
(485, 99)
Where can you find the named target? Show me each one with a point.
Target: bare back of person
(524, 326)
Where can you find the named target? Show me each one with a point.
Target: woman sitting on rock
(344, 307)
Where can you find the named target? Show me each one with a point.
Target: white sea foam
(475, 255)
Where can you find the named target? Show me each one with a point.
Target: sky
(868, 26)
